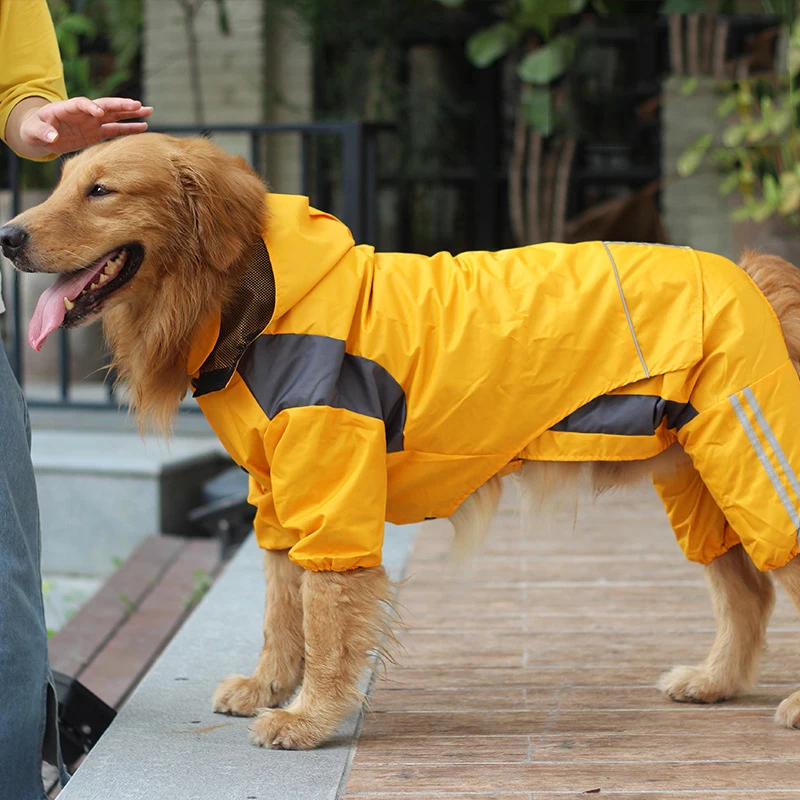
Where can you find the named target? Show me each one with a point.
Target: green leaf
(790, 195)
(548, 62)
(77, 25)
(486, 46)
(733, 135)
(551, 8)
(688, 86)
(538, 110)
(727, 106)
(565, 7)
(758, 131)
(772, 190)
(781, 121)
(742, 213)
(684, 6)
(730, 184)
(541, 15)
(794, 50)
(608, 7)
(791, 202)
(692, 157)
(762, 211)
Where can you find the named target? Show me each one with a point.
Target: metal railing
(337, 171)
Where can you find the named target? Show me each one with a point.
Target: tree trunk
(550, 167)
(190, 9)
(534, 168)
(676, 44)
(515, 168)
(562, 189)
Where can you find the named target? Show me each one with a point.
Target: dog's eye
(98, 190)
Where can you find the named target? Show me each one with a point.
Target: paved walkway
(535, 677)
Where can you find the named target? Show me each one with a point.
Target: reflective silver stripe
(656, 244)
(627, 313)
(769, 435)
(765, 462)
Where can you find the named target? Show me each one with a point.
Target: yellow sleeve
(30, 64)
(328, 473)
(271, 535)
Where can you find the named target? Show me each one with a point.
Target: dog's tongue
(50, 310)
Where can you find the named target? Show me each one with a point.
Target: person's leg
(27, 701)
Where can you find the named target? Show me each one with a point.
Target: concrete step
(103, 492)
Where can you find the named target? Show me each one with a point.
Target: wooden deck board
(534, 677)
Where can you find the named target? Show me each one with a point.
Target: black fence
(338, 172)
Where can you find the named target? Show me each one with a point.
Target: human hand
(72, 124)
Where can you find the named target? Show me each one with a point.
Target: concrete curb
(166, 743)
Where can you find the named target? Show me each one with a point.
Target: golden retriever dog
(150, 234)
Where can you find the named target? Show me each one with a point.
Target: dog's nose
(12, 240)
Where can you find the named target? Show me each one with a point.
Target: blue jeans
(28, 708)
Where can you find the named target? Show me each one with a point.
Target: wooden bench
(111, 643)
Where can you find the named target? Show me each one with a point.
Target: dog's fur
(196, 211)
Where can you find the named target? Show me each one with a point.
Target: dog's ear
(225, 197)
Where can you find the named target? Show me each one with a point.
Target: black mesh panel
(245, 317)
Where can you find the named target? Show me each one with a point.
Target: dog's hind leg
(280, 665)
(743, 599)
(345, 615)
(788, 712)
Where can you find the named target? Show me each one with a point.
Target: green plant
(118, 22)
(544, 46)
(541, 36)
(201, 583)
(99, 44)
(760, 153)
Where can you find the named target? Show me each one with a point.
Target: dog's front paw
(788, 713)
(286, 730)
(693, 685)
(243, 696)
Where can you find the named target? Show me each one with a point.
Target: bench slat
(118, 668)
(87, 632)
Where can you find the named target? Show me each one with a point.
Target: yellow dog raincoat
(356, 387)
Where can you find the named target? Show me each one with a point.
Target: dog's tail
(780, 282)
(471, 519)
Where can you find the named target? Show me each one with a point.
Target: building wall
(262, 71)
(694, 212)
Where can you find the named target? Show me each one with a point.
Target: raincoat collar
(302, 246)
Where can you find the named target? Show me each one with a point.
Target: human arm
(33, 101)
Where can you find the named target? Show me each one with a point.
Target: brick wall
(261, 71)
